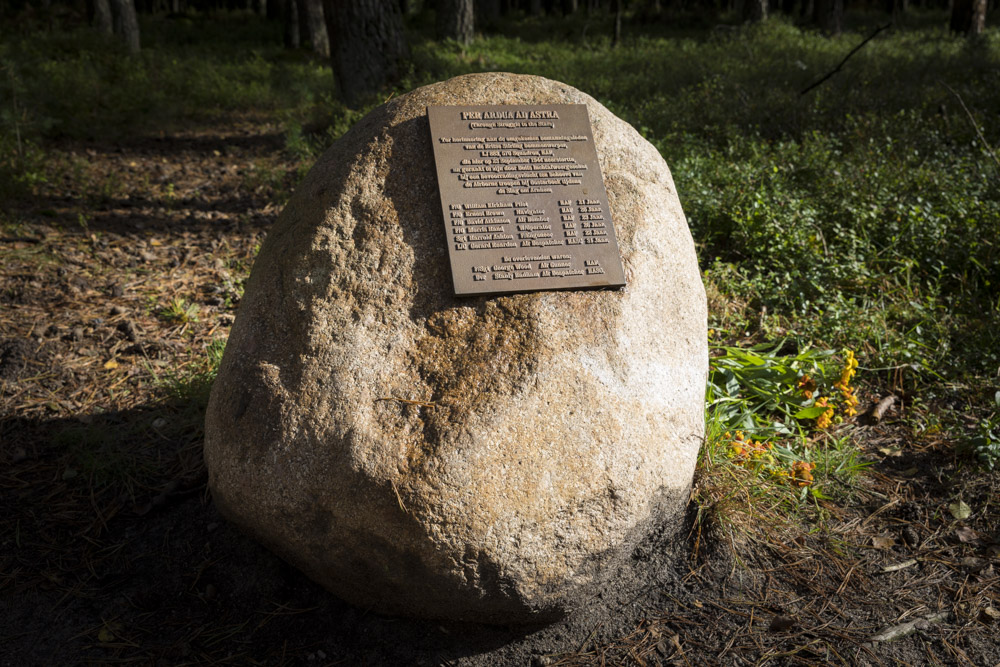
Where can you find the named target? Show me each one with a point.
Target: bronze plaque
(523, 199)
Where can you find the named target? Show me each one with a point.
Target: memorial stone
(490, 458)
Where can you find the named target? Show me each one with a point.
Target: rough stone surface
(564, 426)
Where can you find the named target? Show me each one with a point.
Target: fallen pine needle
(407, 401)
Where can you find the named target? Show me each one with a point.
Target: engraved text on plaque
(524, 203)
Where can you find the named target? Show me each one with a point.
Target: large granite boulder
(482, 459)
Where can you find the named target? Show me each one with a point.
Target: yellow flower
(850, 364)
(825, 419)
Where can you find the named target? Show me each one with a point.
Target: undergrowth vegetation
(862, 215)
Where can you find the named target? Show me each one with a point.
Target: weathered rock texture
(484, 459)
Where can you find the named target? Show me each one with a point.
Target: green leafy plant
(180, 310)
(985, 444)
(765, 407)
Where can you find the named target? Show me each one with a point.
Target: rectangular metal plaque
(523, 199)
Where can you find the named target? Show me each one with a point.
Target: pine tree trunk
(968, 17)
(754, 11)
(897, 8)
(102, 17)
(487, 12)
(312, 19)
(366, 45)
(126, 23)
(618, 23)
(455, 20)
(828, 15)
(290, 15)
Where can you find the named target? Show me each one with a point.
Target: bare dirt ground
(128, 264)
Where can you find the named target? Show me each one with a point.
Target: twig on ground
(905, 629)
(846, 58)
(900, 566)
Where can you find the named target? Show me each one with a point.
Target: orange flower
(802, 474)
(807, 385)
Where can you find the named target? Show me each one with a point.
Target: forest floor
(114, 290)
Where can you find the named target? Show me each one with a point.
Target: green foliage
(191, 385)
(756, 390)
(768, 409)
(179, 310)
(79, 84)
(985, 444)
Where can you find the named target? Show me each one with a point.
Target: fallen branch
(905, 629)
(900, 566)
(883, 406)
(847, 57)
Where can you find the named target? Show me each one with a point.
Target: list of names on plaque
(523, 200)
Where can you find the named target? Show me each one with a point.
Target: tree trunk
(311, 17)
(754, 11)
(618, 24)
(366, 39)
(102, 17)
(828, 15)
(487, 12)
(968, 17)
(290, 12)
(897, 8)
(455, 20)
(126, 23)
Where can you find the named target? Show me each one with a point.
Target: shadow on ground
(112, 551)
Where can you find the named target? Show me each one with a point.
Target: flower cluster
(802, 474)
(756, 454)
(847, 399)
(844, 385)
(746, 451)
(825, 418)
(808, 386)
